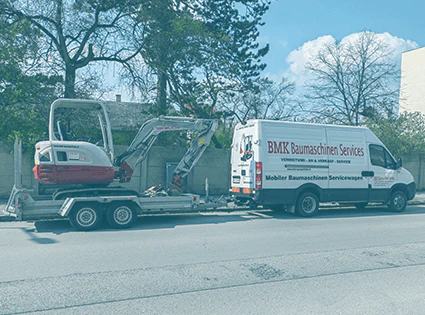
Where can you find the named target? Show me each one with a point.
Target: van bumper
(411, 191)
(268, 196)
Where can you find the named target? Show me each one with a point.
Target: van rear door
(242, 159)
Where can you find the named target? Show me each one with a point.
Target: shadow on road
(153, 222)
(352, 212)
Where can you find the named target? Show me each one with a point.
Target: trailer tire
(85, 217)
(121, 215)
(307, 205)
(398, 201)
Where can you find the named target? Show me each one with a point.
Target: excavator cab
(77, 112)
(65, 159)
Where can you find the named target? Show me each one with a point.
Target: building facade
(412, 84)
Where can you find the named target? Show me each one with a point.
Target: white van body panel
(335, 162)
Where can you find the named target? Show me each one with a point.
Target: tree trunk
(70, 82)
(217, 143)
(161, 96)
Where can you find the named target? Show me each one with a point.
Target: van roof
(299, 123)
(370, 136)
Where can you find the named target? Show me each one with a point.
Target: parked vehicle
(90, 170)
(299, 165)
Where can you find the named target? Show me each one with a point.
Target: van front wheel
(307, 205)
(398, 201)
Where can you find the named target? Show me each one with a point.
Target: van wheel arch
(397, 187)
(309, 188)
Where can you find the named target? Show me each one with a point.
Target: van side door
(347, 165)
(383, 167)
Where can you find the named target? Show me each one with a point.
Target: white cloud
(298, 58)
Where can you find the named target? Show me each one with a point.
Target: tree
(401, 135)
(77, 33)
(24, 93)
(186, 43)
(351, 79)
(265, 100)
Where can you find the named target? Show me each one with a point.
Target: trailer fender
(69, 203)
(66, 207)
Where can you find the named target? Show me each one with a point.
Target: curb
(6, 218)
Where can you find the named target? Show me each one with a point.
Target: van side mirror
(399, 164)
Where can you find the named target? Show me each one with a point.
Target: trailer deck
(85, 213)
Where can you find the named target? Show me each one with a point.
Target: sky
(295, 29)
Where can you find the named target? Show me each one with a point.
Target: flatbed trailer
(87, 213)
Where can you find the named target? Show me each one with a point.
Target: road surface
(341, 262)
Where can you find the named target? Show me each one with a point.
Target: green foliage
(24, 96)
(74, 35)
(189, 43)
(224, 135)
(123, 137)
(402, 135)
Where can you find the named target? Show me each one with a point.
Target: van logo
(245, 148)
(278, 147)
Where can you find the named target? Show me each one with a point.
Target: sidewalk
(418, 200)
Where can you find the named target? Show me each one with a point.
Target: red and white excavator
(60, 161)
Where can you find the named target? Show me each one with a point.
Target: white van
(298, 165)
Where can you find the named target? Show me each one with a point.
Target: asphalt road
(340, 262)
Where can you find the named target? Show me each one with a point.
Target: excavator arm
(203, 131)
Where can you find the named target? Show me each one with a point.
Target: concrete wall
(415, 164)
(213, 164)
(7, 170)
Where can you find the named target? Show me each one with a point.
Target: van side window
(380, 157)
(389, 161)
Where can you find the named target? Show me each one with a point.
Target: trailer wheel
(85, 217)
(121, 215)
(398, 201)
(307, 205)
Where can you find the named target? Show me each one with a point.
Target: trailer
(87, 212)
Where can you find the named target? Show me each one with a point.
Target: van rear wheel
(398, 201)
(307, 205)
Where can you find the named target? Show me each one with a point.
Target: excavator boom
(203, 131)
